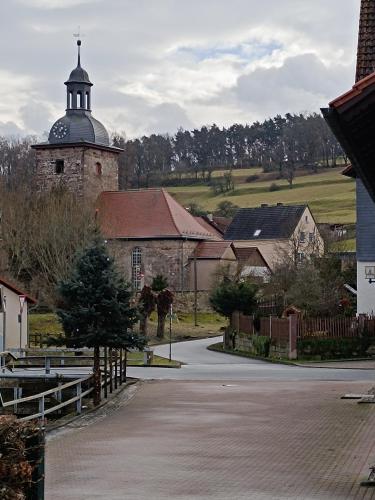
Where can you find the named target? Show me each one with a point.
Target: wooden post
(125, 365)
(121, 366)
(79, 401)
(116, 353)
(106, 372)
(195, 291)
(110, 372)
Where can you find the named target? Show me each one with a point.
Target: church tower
(78, 155)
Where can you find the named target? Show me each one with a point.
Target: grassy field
(330, 196)
(183, 326)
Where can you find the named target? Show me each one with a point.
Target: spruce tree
(94, 306)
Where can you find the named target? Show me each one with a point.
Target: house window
(300, 257)
(59, 166)
(99, 170)
(307, 219)
(302, 237)
(257, 233)
(137, 268)
(311, 237)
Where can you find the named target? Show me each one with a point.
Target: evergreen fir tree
(94, 307)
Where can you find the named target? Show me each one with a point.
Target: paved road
(208, 365)
(248, 430)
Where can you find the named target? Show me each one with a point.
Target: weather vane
(79, 35)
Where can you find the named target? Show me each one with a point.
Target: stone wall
(184, 302)
(166, 257)
(80, 174)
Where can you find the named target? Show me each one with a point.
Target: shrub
(261, 345)
(274, 187)
(252, 178)
(334, 348)
(230, 296)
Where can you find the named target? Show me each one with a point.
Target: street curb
(242, 354)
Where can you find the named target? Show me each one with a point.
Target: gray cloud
(159, 65)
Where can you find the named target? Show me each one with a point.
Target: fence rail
(113, 375)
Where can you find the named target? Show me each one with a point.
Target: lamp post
(170, 331)
(3, 306)
(22, 304)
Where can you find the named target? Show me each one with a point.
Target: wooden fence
(113, 376)
(335, 328)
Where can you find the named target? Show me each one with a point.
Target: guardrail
(57, 392)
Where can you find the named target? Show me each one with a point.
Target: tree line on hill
(281, 144)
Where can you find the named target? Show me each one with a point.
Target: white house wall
(365, 290)
(12, 331)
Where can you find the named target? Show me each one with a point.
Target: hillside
(330, 195)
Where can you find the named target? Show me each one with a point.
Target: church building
(148, 232)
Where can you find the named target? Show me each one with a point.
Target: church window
(70, 103)
(59, 166)
(99, 169)
(136, 268)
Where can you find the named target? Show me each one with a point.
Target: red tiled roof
(146, 214)
(356, 91)
(222, 223)
(211, 249)
(16, 290)
(349, 171)
(209, 227)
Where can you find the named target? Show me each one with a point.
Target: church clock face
(59, 130)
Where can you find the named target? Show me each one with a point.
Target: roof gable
(14, 289)
(214, 250)
(146, 214)
(265, 222)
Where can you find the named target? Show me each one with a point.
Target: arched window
(70, 103)
(99, 169)
(137, 268)
(79, 100)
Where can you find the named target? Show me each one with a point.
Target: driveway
(271, 434)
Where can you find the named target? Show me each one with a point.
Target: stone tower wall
(80, 174)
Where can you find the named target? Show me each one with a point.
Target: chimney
(210, 217)
(366, 40)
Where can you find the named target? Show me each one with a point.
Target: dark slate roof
(79, 75)
(264, 223)
(81, 127)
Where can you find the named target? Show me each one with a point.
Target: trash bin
(148, 356)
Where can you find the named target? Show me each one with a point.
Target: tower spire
(79, 43)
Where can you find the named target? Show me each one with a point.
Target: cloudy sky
(157, 65)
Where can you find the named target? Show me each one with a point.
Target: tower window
(87, 100)
(79, 99)
(70, 103)
(59, 166)
(99, 170)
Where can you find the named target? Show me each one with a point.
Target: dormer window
(257, 233)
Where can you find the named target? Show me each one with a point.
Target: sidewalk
(340, 364)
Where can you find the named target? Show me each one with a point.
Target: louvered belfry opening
(366, 40)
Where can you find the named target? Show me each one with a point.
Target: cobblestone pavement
(190, 440)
